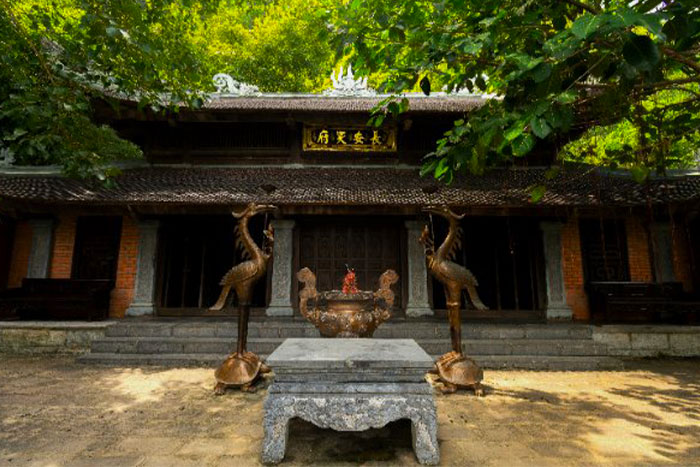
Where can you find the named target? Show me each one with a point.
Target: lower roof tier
(348, 186)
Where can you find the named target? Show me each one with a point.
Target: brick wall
(680, 251)
(126, 268)
(638, 251)
(21, 247)
(63, 244)
(573, 269)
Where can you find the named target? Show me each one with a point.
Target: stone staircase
(190, 342)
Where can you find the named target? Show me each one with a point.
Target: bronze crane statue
(241, 368)
(454, 368)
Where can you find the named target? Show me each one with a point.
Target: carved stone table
(350, 385)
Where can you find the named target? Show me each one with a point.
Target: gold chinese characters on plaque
(349, 138)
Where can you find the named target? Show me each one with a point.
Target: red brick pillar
(21, 247)
(126, 268)
(63, 244)
(573, 269)
(680, 251)
(638, 251)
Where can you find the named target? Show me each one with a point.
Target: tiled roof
(317, 103)
(401, 186)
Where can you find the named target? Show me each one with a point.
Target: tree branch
(681, 58)
(588, 8)
(22, 33)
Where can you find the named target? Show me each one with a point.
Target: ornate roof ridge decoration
(225, 84)
(345, 85)
(7, 157)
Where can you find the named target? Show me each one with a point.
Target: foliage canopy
(559, 67)
(613, 83)
(59, 56)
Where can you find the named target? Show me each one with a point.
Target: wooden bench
(58, 299)
(642, 302)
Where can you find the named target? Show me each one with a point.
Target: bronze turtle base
(457, 371)
(239, 370)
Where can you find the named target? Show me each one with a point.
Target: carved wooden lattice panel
(369, 248)
(604, 248)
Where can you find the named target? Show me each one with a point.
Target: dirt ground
(57, 412)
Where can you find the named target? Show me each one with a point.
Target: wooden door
(96, 247)
(194, 254)
(367, 245)
(505, 255)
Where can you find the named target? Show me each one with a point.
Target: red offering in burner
(350, 282)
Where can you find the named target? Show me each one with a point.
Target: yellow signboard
(349, 138)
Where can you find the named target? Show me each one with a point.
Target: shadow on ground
(54, 411)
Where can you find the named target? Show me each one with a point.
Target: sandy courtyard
(56, 412)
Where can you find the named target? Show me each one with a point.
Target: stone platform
(350, 385)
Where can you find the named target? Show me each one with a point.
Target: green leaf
(428, 167)
(425, 85)
(541, 72)
(537, 193)
(393, 108)
(640, 52)
(639, 174)
(585, 25)
(552, 172)
(540, 127)
(568, 97)
(442, 168)
(513, 132)
(523, 144)
(377, 120)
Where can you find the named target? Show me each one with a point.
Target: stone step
(400, 329)
(176, 345)
(547, 347)
(223, 345)
(528, 362)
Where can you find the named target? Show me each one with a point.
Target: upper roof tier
(418, 103)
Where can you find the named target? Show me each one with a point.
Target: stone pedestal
(557, 308)
(417, 303)
(144, 287)
(282, 273)
(350, 385)
(42, 244)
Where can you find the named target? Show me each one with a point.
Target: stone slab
(414, 375)
(362, 354)
(351, 388)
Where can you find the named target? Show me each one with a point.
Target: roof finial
(347, 86)
(227, 85)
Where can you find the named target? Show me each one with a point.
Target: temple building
(348, 194)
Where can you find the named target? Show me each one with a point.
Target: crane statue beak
(443, 211)
(265, 208)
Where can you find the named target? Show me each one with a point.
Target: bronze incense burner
(357, 313)
(242, 368)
